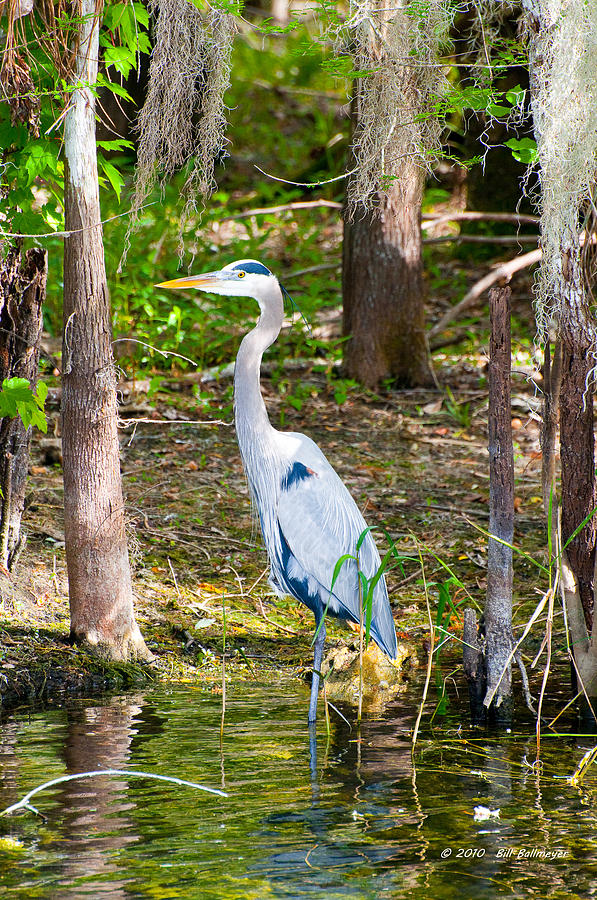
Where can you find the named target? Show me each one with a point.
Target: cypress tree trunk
(578, 486)
(562, 43)
(383, 289)
(100, 589)
(22, 292)
(577, 456)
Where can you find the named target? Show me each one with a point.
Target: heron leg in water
(317, 658)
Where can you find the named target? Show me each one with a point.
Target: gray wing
(320, 522)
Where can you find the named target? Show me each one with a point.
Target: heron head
(243, 278)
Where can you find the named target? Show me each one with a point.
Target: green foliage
(154, 386)
(447, 606)
(32, 178)
(124, 36)
(393, 558)
(32, 175)
(292, 397)
(524, 150)
(459, 410)
(268, 29)
(309, 143)
(17, 399)
(342, 388)
(286, 115)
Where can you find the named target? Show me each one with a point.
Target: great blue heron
(308, 519)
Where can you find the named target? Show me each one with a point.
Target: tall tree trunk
(577, 454)
(562, 43)
(578, 486)
(383, 288)
(100, 589)
(22, 293)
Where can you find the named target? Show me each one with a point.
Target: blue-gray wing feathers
(319, 523)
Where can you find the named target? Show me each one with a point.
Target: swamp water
(348, 817)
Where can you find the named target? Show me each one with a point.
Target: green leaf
(113, 86)
(524, 150)
(112, 174)
(41, 393)
(17, 399)
(118, 144)
(516, 95)
(443, 601)
(475, 98)
(362, 537)
(141, 14)
(267, 28)
(128, 28)
(143, 43)
(122, 58)
(112, 16)
(368, 607)
(11, 135)
(39, 159)
(154, 385)
(497, 110)
(347, 557)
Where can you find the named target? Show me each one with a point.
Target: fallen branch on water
(24, 803)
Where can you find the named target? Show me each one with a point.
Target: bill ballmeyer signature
(506, 853)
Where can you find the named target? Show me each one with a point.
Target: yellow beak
(191, 281)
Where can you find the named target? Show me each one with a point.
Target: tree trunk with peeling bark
(22, 293)
(100, 587)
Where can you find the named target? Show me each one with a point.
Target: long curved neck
(251, 418)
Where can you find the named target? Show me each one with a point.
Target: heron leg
(317, 658)
(313, 752)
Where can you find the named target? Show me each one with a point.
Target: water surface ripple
(306, 815)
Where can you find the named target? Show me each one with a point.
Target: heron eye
(241, 274)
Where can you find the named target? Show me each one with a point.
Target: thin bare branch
(483, 239)
(285, 207)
